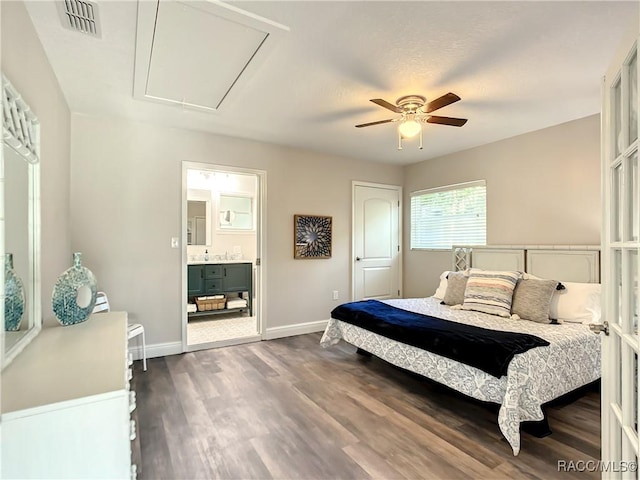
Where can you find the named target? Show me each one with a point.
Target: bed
(570, 360)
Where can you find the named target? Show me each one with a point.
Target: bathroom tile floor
(220, 327)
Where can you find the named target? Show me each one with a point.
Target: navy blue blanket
(488, 350)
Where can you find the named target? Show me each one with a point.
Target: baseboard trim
(223, 343)
(296, 329)
(155, 350)
(175, 348)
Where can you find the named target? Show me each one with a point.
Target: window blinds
(452, 215)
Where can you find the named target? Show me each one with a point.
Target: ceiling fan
(415, 110)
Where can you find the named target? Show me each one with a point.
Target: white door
(621, 244)
(376, 241)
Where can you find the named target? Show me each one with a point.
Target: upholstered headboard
(575, 263)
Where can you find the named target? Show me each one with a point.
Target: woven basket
(205, 304)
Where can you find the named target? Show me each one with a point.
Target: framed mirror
(199, 217)
(22, 317)
(196, 222)
(235, 212)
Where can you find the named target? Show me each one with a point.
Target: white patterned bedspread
(535, 377)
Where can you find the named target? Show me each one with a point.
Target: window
(451, 215)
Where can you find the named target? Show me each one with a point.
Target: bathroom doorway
(222, 221)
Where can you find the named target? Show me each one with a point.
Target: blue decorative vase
(74, 294)
(14, 296)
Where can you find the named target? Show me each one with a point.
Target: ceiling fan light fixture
(409, 128)
(414, 110)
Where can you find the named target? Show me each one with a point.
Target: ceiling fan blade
(443, 101)
(376, 123)
(454, 122)
(387, 105)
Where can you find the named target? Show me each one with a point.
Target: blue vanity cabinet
(237, 277)
(213, 280)
(195, 280)
(231, 279)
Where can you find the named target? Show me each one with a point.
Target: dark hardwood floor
(289, 409)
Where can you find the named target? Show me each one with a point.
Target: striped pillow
(490, 291)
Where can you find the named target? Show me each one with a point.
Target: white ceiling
(518, 66)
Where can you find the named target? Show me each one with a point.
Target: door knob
(358, 259)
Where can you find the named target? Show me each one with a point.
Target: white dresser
(66, 404)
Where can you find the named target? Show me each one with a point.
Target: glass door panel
(617, 196)
(618, 365)
(617, 118)
(629, 406)
(634, 205)
(629, 289)
(633, 290)
(617, 286)
(633, 99)
(634, 393)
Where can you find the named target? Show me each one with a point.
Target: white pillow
(442, 288)
(577, 303)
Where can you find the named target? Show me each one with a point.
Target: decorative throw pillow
(490, 291)
(577, 303)
(532, 299)
(456, 285)
(442, 288)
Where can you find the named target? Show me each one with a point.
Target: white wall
(542, 188)
(126, 205)
(27, 68)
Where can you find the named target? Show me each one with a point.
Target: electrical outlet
(335, 294)
(175, 242)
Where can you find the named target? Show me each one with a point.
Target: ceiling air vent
(80, 16)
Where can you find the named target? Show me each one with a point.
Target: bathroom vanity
(232, 278)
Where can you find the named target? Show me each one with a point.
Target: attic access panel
(195, 53)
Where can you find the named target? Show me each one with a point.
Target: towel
(236, 303)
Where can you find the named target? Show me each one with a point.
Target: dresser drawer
(212, 271)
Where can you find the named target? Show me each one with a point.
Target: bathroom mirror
(235, 212)
(21, 254)
(199, 217)
(196, 222)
